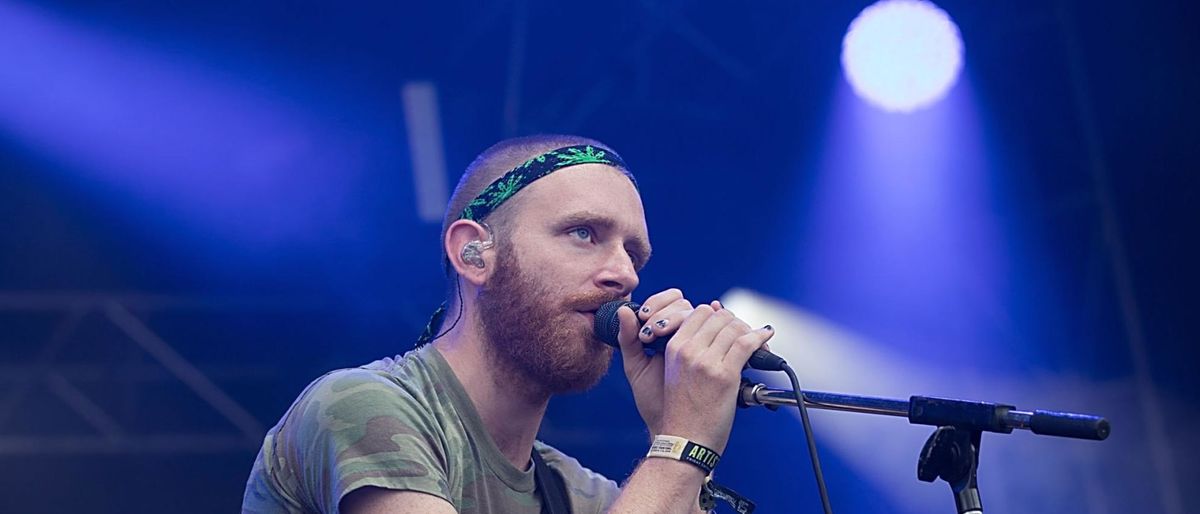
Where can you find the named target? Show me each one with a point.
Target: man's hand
(691, 390)
(688, 391)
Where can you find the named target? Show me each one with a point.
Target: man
(539, 233)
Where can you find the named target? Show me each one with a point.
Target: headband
(516, 179)
(503, 188)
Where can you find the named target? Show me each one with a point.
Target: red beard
(536, 338)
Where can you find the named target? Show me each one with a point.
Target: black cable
(458, 290)
(808, 437)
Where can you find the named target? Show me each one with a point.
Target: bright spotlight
(902, 55)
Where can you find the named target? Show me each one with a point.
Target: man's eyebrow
(588, 218)
(643, 252)
(637, 243)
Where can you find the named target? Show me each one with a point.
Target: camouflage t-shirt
(406, 424)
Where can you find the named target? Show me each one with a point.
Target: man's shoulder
(353, 395)
(341, 402)
(340, 382)
(374, 425)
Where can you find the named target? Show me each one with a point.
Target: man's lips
(588, 308)
(590, 315)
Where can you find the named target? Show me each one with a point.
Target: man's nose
(618, 275)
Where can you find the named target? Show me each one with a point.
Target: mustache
(590, 301)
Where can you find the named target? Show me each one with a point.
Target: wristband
(678, 448)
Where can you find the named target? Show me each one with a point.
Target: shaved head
(493, 163)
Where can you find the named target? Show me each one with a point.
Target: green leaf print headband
(508, 185)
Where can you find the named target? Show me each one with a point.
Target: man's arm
(661, 486)
(689, 391)
(658, 486)
(375, 500)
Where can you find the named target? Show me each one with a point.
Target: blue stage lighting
(902, 55)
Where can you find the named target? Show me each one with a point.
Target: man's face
(575, 242)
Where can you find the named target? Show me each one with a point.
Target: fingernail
(662, 323)
(646, 310)
(770, 328)
(645, 331)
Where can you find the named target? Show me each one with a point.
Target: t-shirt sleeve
(356, 428)
(589, 492)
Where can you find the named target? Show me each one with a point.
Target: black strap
(550, 487)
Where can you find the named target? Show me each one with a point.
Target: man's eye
(583, 233)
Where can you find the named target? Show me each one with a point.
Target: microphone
(608, 326)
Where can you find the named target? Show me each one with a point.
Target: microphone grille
(607, 324)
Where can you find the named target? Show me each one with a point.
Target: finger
(657, 301)
(632, 355)
(725, 338)
(718, 306)
(679, 305)
(724, 308)
(629, 326)
(666, 321)
(704, 336)
(745, 345)
(694, 321)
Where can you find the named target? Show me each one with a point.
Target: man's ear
(468, 245)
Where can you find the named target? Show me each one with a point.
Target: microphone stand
(952, 452)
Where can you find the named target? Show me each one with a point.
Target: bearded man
(540, 232)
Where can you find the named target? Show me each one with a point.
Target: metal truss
(48, 372)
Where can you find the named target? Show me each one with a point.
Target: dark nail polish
(645, 331)
(662, 323)
(770, 328)
(646, 310)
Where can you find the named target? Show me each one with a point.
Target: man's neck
(511, 413)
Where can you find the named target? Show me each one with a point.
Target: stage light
(902, 55)
(424, 127)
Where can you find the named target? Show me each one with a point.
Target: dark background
(231, 184)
